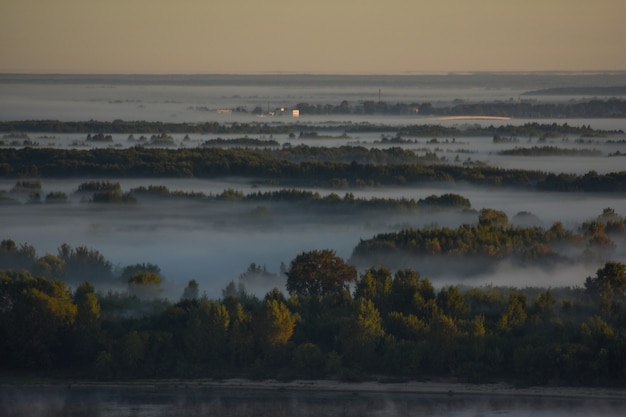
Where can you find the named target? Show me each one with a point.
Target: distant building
(295, 113)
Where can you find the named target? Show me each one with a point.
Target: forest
(18, 129)
(75, 315)
(381, 313)
(322, 167)
(330, 323)
(479, 247)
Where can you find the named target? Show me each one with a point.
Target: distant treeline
(72, 265)
(241, 142)
(94, 127)
(111, 192)
(333, 324)
(588, 91)
(376, 167)
(550, 151)
(614, 108)
(596, 108)
(313, 199)
(493, 239)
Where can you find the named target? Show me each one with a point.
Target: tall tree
(42, 316)
(362, 333)
(319, 272)
(403, 288)
(514, 316)
(275, 325)
(376, 285)
(206, 332)
(50, 266)
(452, 302)
(88, 329)
(191, 291)
(145, 284)
(609, 288)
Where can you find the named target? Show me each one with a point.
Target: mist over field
(215, 242)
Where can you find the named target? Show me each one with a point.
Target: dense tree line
(242, 142)
(356, 154)
(612, 107)
(17, 128)
(331, 323)
(392, 166)
(70, 264)
(493, 239)
(596, 108)
(310, 200)
(110, 192)
(146, 127)
(550, 151)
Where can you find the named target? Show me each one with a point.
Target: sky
(312, 36)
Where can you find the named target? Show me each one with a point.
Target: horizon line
(290, 73)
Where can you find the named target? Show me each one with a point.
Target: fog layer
(214, 242)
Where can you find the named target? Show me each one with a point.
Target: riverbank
(448, 388)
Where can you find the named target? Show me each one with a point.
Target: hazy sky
(310, 36)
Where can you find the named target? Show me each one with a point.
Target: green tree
(452, 302)
(131, 270)
(597, 330)
(206, 333)
(89, 336)
(609, 288)
(362, 333)
(13, 256)
(319, 272)
(443, 343)
(424, 297)
(275, 325)
(241, 340)
(56, 197)
(131, 352)
(545, 305)
(405, 326)
(191, 291)
(39, 320)
(376, 284)
(309, 360)
(611, 277)
(50, 266)
(514, 315)
(491, 217)
(403, 289)
(145, 284)
(84, 264)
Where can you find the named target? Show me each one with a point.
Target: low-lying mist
(215, 242)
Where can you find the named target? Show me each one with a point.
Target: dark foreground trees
(393, 324)
(318, 273)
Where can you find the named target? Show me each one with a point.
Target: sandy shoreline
(331, 386)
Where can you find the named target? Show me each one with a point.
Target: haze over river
(179, 402)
